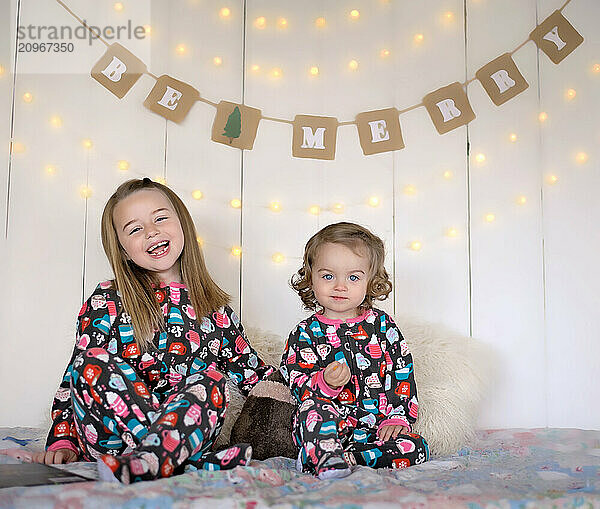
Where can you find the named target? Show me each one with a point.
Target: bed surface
(502, 469)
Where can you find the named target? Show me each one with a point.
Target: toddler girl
(144, 392)
(347, 365)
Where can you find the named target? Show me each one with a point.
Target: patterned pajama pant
(121, 423)
(326, 431)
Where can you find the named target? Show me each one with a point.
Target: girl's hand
(336, 374)
(390, 431)
(57, 456)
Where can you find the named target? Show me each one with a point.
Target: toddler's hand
(58, 456)
(336, 374)
(390, 431)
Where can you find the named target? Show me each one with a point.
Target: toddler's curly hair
(362, 242)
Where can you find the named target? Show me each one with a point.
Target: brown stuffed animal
(266, 420)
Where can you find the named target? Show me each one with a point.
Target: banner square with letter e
(314, 137)
(501, 79)
(379, 131)
(171, 98)
(449, 107)
(235, 125)
(556, 37)
(118, 70)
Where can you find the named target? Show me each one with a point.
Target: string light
(595, 68)
(148, 30)
(278, 258)
(451, 232)
(197, 194)
(521, 200)
(415, 245)
(260, 22)
(225, 12)
(448, 175)
(2, 70)
(374, 201)
(282, 23)
(217, 61)
(354, 14)
(18, 148)
(320, 22)
(255, 68)
(87, 143)
(480, 158)
(181, 49)
(276, 73)
(552, 179)
(27, 97)
(490, 218)
(570, 94)
(410, 190)
(543, 116)
(353, 65)
(161, 180)
(419, 38)
(314, 70)
(338, 208)
(55, 121)
(384, 53)
(123, 165)
(581, 157)
(236, 203)
(315, 210)
(448, 16)
(512, 137)
(85, 191)
(200, 241)
(50, 169)
(118, 6)
(275, 206)
(236, 251)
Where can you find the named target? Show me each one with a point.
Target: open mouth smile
(159, 249)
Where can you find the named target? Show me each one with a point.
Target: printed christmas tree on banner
(233, 128)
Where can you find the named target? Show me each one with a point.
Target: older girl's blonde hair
(136, 285)
(361, 241)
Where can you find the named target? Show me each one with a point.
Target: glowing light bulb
(490, 218)
(197, 194)
(480, 158)
(512, 137)
(147, 29)
(320, 22)
(217, 61)
(200, 241)
(354, 14)
(338, 208)
(353, 65)
(543, 116)
(275, 206)
(255, 68)
(181, 49)
(50, 169)
(552, 179)
(384, 53)
(314, 70)
(374, 201)
(161, 180)
(451, 232)
(415, 245)
(410, 190)
(282, 23)
(123, 165)
(2, 70)
(260, 22)
(276, 73)
(278, 258)
(236, 203)
(225, 12)
(418, 38)
(18, 148)
(28, 97)
(570, 94)
(448, 174)
(596, 68)
(315, 210)
(449, 16)
(87, 143)
(85, 191)
(55, 121)
(581, 157)
(118, 6)
(236, 251)
(521, 200)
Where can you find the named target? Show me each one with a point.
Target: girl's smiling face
(150, 232)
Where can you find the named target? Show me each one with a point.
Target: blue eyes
(328, 277)
(352, 277)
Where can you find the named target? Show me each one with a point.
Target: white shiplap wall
(525, 283)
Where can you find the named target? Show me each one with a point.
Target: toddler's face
(150, 233)
(339, 280)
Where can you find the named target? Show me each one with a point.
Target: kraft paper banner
(171, 98)
(449, 107)
(235, 125)
(379, 131)
(118, 70)
(556, 37)
(501, 79)
(314, 137)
